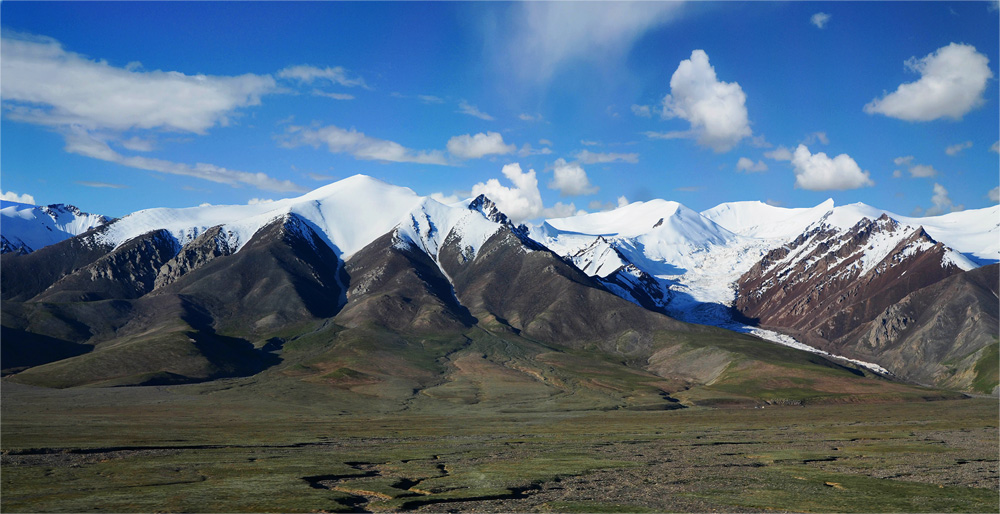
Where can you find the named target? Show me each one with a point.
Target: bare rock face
(880, 292)
(206, 247)
(828, 282)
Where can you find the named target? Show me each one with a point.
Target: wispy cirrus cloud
(357, 144)
(90, 102)
(465, 107)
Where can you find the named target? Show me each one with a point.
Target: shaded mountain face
(451, 303)
(944, 334)
(149, 310)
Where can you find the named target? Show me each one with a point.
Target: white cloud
(775, 203)
(357, 144)
(598, 205)
(430, 99)
(585, 142)
(541, 37)
(957, 148)
(916, 170)
(528, 117)
(677, 134)
(994, 194)
(942, 202)
(473, 147)
(466, 108)
(995, 147)
(137, 144)
(922, 171)
(527, 150)
(897, 174)
(818, 172)
(521, 202)
(819, 19)
(952, 81)
(643, 111)
(779, 154)
(570, 179)
(816, 137)
(447, 200)
(545, 142)
(309, 74)
(45, 84)
(81, 142)
(747, 165)
(11, 196)
(259, 201)
(587, 157)
(319, 177)
(335, 96)
(561, 210)
(89, 183)
(716, 110)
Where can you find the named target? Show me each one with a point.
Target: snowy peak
(26, 228)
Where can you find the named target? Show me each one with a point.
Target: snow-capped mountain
(364, 251)
(25, 228)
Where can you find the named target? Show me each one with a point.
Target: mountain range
(372, 290)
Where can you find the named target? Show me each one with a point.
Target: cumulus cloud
(570, 179)
(466, 108)
(11, 196)
(819, 19)
(747, 165)
(585, 142)
(81, 142)
(561, 210)
(545, 142)
(540, 37)
(106, 185)
(587, 157)
(995, 147)
(942, 202)
(357, 144)
(957, 148)
(308, 74)
(259, 201)
(445, 199)
(994, 194)
(643, 111)
(952, 81)
(716, 110)
(521, 202)
(818, 172)
(473, 147)
(47, 85)
(529, 117)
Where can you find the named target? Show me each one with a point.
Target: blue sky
(116, 107)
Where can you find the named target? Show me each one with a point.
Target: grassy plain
(241, 445)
